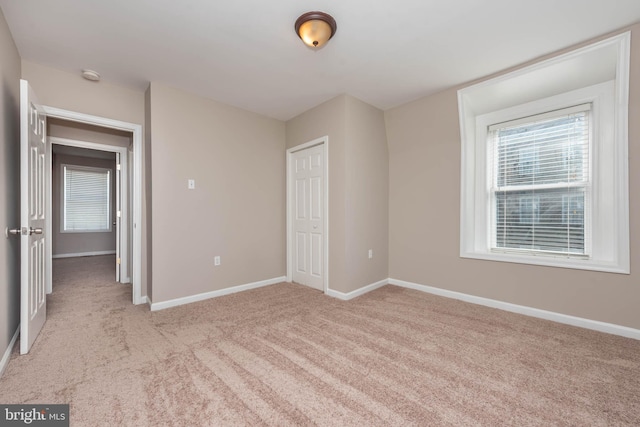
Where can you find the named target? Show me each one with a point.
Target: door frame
(324, 141)
(122, 225)
(136, 188)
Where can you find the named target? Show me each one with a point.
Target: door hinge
(118, 167)
(118, 214)
(118, 261)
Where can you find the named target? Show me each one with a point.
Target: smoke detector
(94, 76)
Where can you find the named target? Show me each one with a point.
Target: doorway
(307, 214)
(90, 195)
(131, 224)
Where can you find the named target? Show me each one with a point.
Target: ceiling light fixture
(315, 28)
(94, 76)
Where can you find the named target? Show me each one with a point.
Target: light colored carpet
(287, 355)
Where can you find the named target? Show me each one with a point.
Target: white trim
(324, 141)
(136, 131)
(595, 325)
(80, 254)
(547, 114)
(7, 353)
(48, 244)
(214, 294)
(357, 292)
(621, 127)
(89, 145)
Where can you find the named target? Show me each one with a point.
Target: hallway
(85, 280)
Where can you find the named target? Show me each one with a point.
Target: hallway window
(86, 199)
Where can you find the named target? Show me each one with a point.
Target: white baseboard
(213, 294)
(83, 254)
(7, 354)
(357, 292)
(142, 300)
(595, 325)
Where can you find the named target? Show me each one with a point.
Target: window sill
(549, 261)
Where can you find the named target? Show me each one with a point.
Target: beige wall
(9, 189)
(358, 187)
(237, 210)
(424, 227)
(367, 195)
(76, 243)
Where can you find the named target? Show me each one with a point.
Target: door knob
(12, 231)
(23, 230)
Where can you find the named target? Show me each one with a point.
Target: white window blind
(86, 199)
(540, 185)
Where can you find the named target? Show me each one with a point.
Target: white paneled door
(33, 187)
(308, 216)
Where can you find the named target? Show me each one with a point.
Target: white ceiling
(246, 53)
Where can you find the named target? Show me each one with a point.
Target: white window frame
(545, 87)
(63, 200)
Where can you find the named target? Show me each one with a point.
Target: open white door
(33, 187)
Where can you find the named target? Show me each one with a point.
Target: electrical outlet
(216, 260)
(370, 253)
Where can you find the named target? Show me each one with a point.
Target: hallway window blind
(86, 199)
(540, 186)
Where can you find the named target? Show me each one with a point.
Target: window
(540, 181)
(86, 201)
(544, 171)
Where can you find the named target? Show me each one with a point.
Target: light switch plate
(191, 184)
